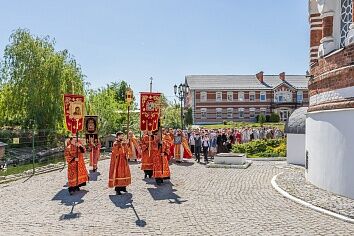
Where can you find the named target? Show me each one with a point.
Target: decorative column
(315, 30)
(350, 36)
(327, 10)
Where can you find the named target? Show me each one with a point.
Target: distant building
(218, 98)
(329, 123)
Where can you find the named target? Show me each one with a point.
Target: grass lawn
(12, 170)
(281, 126)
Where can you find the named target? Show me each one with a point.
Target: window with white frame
(219, 96)
(203, 113)
(263, 111)
(218, 113)
(229, 113)
(241, 113)
(203, 96)
(299, 96)
(252, 112)
(263, 96)
(252, 96)
(241, 96)
(230, 96)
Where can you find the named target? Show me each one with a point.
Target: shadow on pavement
(166, 192)
(94, 175)
(70, 200)
(125, 201)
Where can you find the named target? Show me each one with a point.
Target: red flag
(149, 111)
(74, 107)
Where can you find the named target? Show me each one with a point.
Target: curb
(306, 204)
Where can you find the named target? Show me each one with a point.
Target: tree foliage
(34, 78)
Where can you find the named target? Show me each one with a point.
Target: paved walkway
(199, 201)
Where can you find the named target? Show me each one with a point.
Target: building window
(241, 96)
(219, 96)
(203, 113)
(346, 20)
(252, 96)
(230, 96)
(203, 96)
(218, 113)
(263, 97)
(263, 111)
(283, 96)
(299, 96)
(241, 113)
(229, 113)
(252, 112)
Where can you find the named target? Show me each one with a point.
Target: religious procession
(154, 150)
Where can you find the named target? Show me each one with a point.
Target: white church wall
(295, 152)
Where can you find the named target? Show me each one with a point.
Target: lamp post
(180, 92)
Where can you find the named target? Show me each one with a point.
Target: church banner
(149, 111)
(91, 129)
(74, 107)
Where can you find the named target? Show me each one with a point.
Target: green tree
(188, 119)
(172, 116)
(34, 78)
(261, 119)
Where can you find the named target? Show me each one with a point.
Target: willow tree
(34, 78)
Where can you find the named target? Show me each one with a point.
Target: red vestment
(119, 171)
(77, 172)
(148, 148)
(95, 154)
(161, 167)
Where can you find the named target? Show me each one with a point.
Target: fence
(27, 149)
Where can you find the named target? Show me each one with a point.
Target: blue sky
(134, 40)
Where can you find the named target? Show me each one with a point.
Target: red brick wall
(330, 73)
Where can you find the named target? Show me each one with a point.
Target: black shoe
(124, 189)
(77, 188)
(118, 193)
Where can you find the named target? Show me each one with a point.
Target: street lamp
(180, 92)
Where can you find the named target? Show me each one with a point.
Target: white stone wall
(330, 96)
(295, 151)
(330, 146)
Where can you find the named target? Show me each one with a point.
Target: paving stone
(197, 201)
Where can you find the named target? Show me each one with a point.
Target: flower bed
(262, 148)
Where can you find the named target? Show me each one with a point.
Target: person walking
(198, 146)
(192, 142)
(206, 146)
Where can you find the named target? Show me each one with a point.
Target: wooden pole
(128, 121)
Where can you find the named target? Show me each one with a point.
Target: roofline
(246, 75)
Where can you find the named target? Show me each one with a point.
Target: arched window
(346, 20)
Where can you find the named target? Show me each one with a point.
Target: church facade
(330, 118)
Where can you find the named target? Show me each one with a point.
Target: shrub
(262, 148)
(261, 119)
(274, 118)
(267, 118)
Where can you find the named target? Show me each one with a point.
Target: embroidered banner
(74, 107)
(91, 129)
(149, 111)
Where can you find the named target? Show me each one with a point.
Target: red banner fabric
(149, 111)
(74, 108)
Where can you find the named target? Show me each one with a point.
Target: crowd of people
(213, 141)
(155, 150)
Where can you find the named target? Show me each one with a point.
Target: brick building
(329, 123)
(216, 98)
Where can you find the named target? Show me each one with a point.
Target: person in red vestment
(119, 171)
(95, 154)
(148, 148)
(161, 166)
(77, 172)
